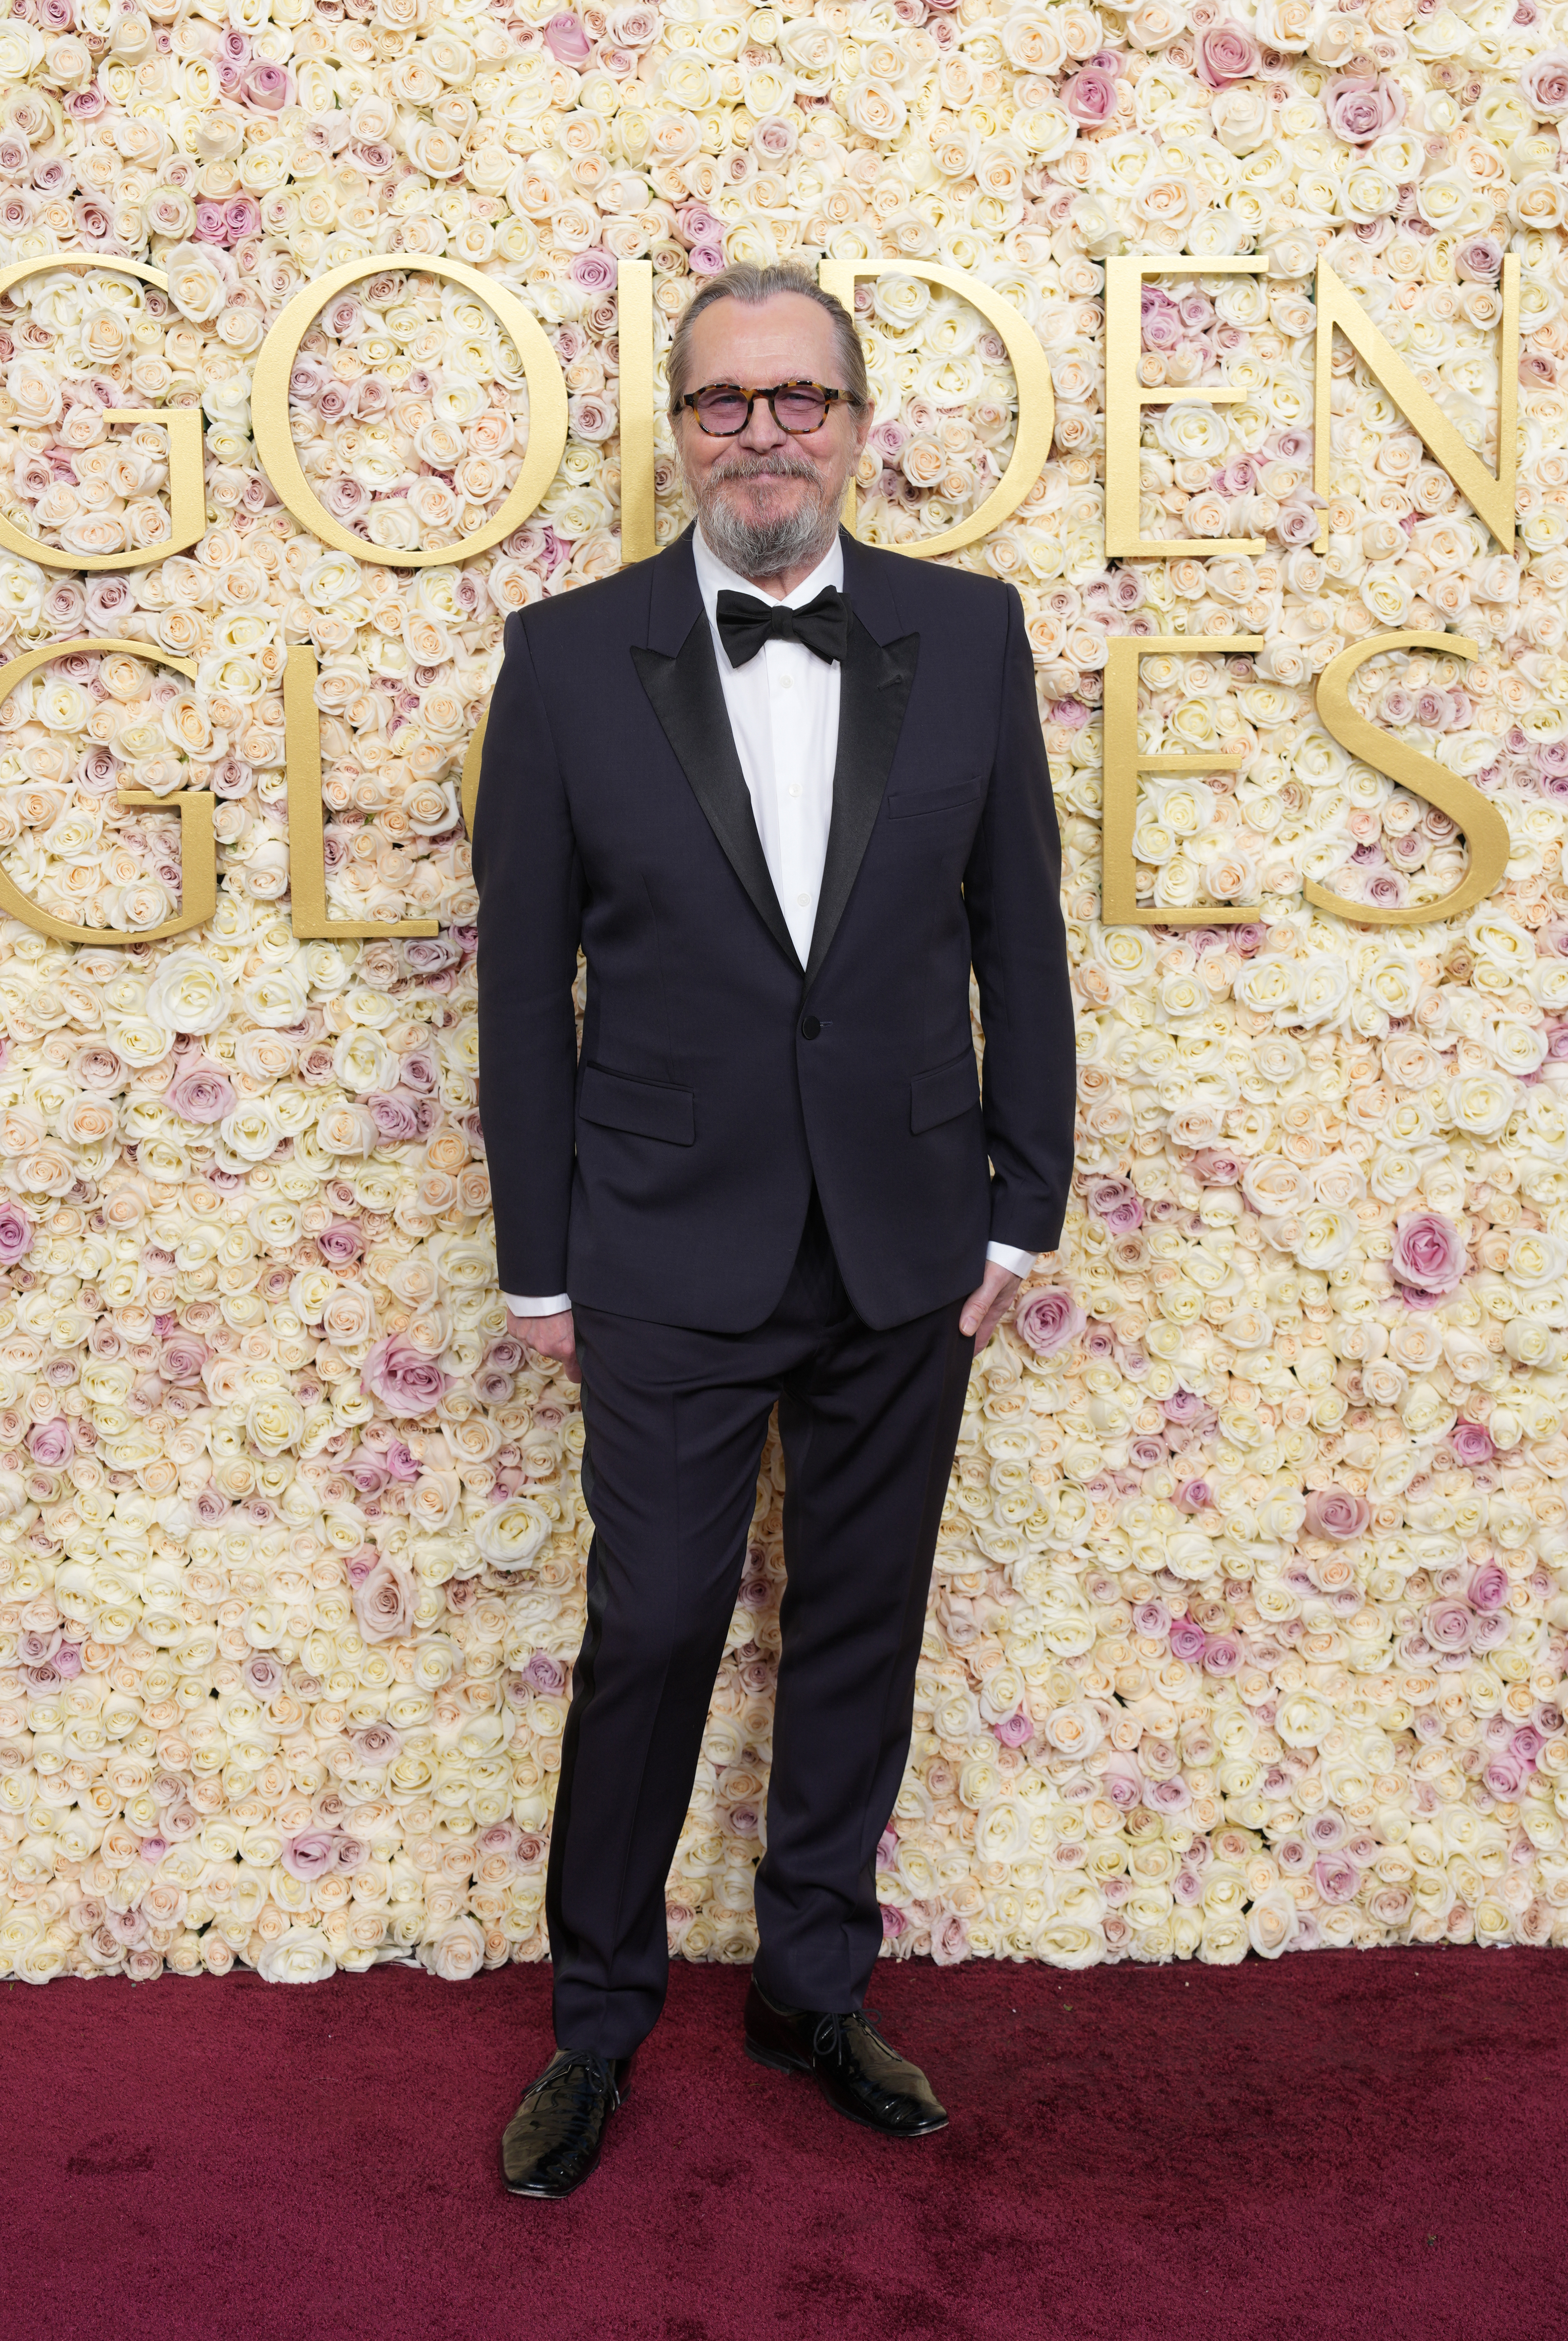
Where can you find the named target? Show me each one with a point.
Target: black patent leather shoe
(552, 2142)
(851, 2063)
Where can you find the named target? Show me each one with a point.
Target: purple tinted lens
(799, 409)
(720, 410)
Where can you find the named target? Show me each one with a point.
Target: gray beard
(755, 549)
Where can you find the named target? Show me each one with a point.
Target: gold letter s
(1483, 825)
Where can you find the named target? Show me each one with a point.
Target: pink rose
(376, 1743)
(402, 1376)
(16, 1233)
(200, 1092)
(339, 1243)
(384, 1603)
(1448, 1625)
(394, 1117)
(1226, 53)
(50, 1444)
(1360, 110)
(267, 85)
(1544, 82)
(566, 41)
(1090, 96)
(1472, 1444)
(1118, 1203)
(1211, 1167)
(950, 1940)
(1334, 1512)
(1168, 1796)
(1337, 1879)
(1049, 1320)
(1016, 1731)
(1187, 1410)
(1489, 1586)
(310, 1855)
(1123, 1781)
(1479, 260)
(182, 1357)
(1427, 1252)
(401, 1465)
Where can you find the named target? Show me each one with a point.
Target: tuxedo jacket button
(809, 1027)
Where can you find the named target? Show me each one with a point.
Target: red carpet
(1368, 2146)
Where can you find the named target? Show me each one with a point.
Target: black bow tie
(745, 624)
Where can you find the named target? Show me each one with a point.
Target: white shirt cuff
(1021, 1263)
(534, 1304)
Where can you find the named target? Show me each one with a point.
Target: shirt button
(809, 1027)
(785, 683)
(804, 900)
(794, 788)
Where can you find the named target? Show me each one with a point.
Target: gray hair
(753, 283)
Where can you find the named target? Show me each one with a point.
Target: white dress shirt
(782, 707)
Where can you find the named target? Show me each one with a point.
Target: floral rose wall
(1251, 1593)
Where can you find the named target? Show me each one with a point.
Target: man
(782, 790)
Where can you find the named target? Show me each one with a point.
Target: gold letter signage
(275, 441)
(198, 846)
(1491, 495)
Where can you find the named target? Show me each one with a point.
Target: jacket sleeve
(530, 880)
(1011, 892)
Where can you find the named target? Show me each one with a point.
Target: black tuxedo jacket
(666, 1175)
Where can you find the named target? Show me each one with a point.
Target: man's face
(771, 495)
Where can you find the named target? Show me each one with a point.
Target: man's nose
(761, 434)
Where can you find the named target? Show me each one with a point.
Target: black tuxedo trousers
(676, 1418)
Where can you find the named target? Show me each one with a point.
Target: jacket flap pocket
(647, 1109)
(901, 802)
(938, 1096)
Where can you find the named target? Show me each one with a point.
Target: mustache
(776, 464)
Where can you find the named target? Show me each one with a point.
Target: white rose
(190, 994)
(455, 1953)
(303, 1955)
(1272, 1922)
(512, 1533)
(1194, 433)
(875, 110)
(198, 287)
(1303, 1719)
(1479, 1105)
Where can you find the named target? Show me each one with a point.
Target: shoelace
(828, 2038)
(591, 2063)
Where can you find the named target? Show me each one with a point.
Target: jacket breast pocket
(902, 803)
(943, 1094)
(646, 1109)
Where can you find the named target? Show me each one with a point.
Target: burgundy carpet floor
(1366, 2146)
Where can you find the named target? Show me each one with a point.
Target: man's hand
(554, 1337)
(988, 1303)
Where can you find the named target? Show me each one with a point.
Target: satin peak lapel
(873, 694)
(689, 701)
